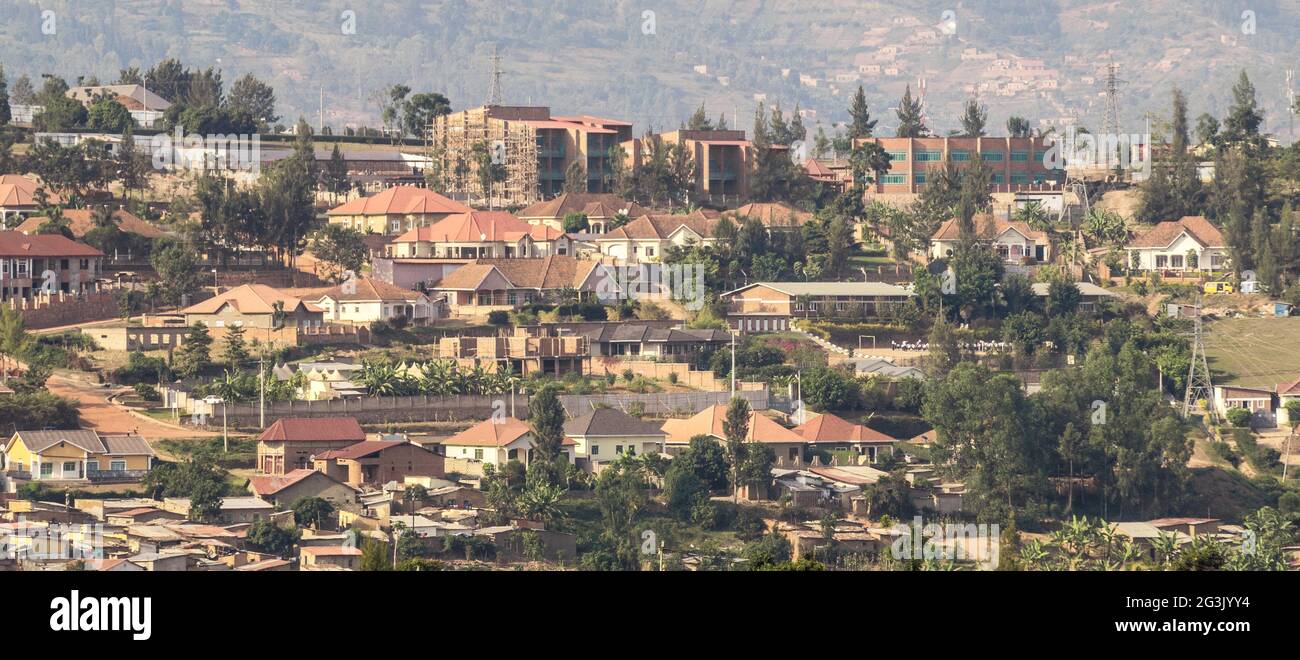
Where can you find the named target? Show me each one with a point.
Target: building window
(919, 177)
(117, 466)
(1176, 261)
(595, 449)
(1019, 178)
(1020, 156)
(897, 155)
(992, 156)
(960, 156)
(929, 156)
(893, 178)
(998, 178)
(47, 469)
(1162, 261)
(478, 454)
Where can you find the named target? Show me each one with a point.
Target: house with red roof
(291, 442)
(709, 422)
(486, 285)
(378, 462)
(481, 235)
(1191, 243)
(395, 210)
(646, 238)
(46, 263)
(600, 210)
(1016, 242)
(283, 490)
(832, 432)
(368, 300)
(1288, 392)
(497, 442)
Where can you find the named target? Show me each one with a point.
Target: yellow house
(78, 455)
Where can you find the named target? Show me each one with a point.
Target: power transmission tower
(1198, 374)
(1290, 100)
(494, 94)
(1112, 98)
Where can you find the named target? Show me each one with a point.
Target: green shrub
(147, 392)
(1239, 417)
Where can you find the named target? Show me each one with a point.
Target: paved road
(100, 414)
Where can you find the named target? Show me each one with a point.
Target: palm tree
(380, 378)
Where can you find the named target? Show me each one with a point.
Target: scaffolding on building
(512, 144)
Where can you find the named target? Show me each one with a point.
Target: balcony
(116, 475)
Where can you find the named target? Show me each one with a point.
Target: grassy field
(1254, 352)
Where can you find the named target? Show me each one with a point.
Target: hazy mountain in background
(1041, 59)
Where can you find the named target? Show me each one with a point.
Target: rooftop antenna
(495, 94)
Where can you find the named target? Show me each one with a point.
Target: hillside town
(509, 337)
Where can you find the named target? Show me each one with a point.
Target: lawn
(1254, 352)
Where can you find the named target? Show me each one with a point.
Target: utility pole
(733, 363)
(225, 435)
(261, 387)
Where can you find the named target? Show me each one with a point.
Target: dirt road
(102, 415)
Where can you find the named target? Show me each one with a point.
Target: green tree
(235, 349)
(254, 98)
(1018, 127)
(339, 249)
(5, 115)
(106, 114)
(195, 353)
(178, 271)
(861, 125)
(974, 119)
(268, 537)
(735, 429)
(546, 419)
(911, 116)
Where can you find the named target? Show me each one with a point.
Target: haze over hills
(1044, 60)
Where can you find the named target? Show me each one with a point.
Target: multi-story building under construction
(534, 150)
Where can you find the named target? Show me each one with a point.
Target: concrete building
(47, 263)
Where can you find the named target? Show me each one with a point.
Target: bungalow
(1189, 244)
(646, 238)
(605, 434)
(254, 306)
(370, 300)
(1014, 241)
(291, 442)
(395, 210)
(648, 339)
(480, 235)
(709, 422)
(770, 306)
(497, 442)
(18, 197)
(487, 285)
(284, 490)
(600, 210)
(1089, 294)
(832, 432)
(376, 463)
(1257, 400)
(76, 455)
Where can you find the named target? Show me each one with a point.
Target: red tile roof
(1289, 389)
(20, 245)
(710, 422)
(832, 428)
(1165, 233)
(263, 485)
(313, 429)
(370, 290)
(988, 227)
(360, 450)
(478, 226)
(401, 200)
(251, 299)
(774, 214)
(492, 433)
(553, 272)
(80, 223)
(661, 226)
(594, 205)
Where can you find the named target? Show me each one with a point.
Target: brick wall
(66, 309)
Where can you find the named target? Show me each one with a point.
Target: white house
(605, 434)
(1189, 244)
(1286, 393)
(1015, 242)
(496, 442)
(646, 238)
(370, 300)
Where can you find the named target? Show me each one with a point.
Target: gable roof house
(368, 300)
(775, 216)
(1286, 393)
(600, 209)
(487, 285)
(283, 490)
(51, 263)
(1014, 241)
(496, 442)
(75, 455)
(291, 442)
(1191, 243)
(379, 462)
(605, 434)
(254, 306)
(646, 238)
(832, 432)
(18, 196)
(709, 422)
(80, 223)
(395, 210)
(480, 235)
